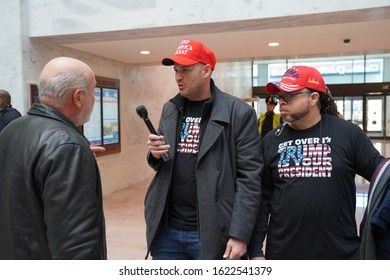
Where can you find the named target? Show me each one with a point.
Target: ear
(78, 98)
(314, 98)
(207, 71)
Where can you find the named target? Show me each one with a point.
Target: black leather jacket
(50, 190)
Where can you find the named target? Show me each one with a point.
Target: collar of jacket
(181, 102)
(42, 110)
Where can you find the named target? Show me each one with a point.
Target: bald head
(67, 84)
(61, 65)
(63, 75)
(5, 97)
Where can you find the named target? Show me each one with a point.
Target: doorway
(375, 114)
(351, 107)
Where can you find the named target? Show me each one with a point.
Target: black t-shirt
(308, 188)
(183, 199)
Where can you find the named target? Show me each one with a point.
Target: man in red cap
(203, 201)
(308, 200)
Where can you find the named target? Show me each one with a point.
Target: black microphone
(143, 114)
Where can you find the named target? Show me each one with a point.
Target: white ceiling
(316, 35)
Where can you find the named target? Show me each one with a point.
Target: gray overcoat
(228, 173)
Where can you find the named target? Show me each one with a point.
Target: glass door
(375, 115)
(353, 109)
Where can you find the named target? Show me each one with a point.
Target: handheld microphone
(143, 114)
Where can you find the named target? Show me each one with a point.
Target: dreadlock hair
(325, 101)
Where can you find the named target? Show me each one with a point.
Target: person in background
(7, 112)
(50, 193)
(203, 201)
(308, 200)
(268, 120)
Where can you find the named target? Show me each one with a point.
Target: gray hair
(59, 86)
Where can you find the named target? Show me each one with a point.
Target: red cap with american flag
(297, 78)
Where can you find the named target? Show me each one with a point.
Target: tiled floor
(125, 224)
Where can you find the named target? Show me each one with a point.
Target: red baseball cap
(297, 78)
(190, 52)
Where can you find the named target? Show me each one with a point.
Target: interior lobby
(109, 36)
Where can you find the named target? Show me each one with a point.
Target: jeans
(174, 244)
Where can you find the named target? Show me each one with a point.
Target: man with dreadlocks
(308, 200)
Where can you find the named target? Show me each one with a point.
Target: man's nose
(178, 76)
